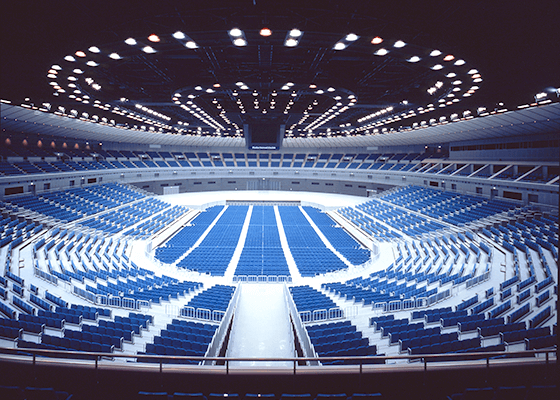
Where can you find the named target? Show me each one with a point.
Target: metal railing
(262, 279)
(202, 314)
(299, 363)
(321, 315)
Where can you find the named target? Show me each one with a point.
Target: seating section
(310, 254)
(262, 253)
(216, 298)
(406, 222)
(368, 224)
(308, 299)
(118, 220)
(339, 339)
(182, 338)
(451, 207)
(338, 237)
(73, 204)
(184, 239)
(213, 255)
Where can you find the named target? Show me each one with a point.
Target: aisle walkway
(261, 326)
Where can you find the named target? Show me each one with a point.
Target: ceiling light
(413, 59)
(451, 75)
(265, 32)
(437, 67)
(240, 42)
(78, 71)
(130, 41)
(312, 86)
(92, 64)
(295, 33)
(457, 82)
(153, 38)
(94, 49)
(148, 49)
(376, 40)
(473, 71)
(435, 53)
(114, 56)
(179, 35)
(80, 53)
(70, 58)
(291, 42)
(477, 80)
(448, 57)
(399, 43)
(236, 32)
(72, 78)
(381, 52)
(459, 62)
(191, 45)
(56, 67)
(351, 37)
(339, 46)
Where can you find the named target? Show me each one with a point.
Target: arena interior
(245, 199)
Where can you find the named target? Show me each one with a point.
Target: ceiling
(330, 85)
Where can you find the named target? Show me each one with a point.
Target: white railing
(122, 302)
(202, 314)
(478, 279)
(321, 315)
(407, 304)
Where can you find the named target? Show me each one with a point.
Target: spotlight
(376, 40)
(153, 38)
(236, 32)
(265, 32)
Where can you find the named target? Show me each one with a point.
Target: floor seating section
(185, 238)
(213, 255)
(310, 254)
(338, 237)
(262, 253)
